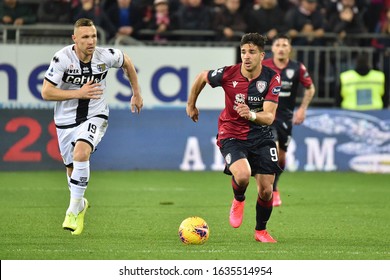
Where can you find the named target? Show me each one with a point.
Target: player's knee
(242, 178)
(81, 155)
(266, 194)
(82, 151)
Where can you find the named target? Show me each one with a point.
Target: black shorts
(260, 153)
(282, 131)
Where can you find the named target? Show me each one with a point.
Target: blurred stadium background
(339, 152)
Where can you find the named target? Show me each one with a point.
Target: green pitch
(136, 215)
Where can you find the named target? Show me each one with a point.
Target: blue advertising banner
(166, 139)
(165, 75)
(341, 140)
(159, 139)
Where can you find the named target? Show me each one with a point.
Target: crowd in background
(306, 21)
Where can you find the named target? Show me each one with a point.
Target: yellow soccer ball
(194, 231)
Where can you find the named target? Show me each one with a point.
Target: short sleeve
(215, 77)
(56, 70)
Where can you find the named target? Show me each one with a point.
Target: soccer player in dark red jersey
(244, 134)
(292, 74)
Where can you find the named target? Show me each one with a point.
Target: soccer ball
(194, 231)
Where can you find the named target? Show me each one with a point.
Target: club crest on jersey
(239, 98)
(261, 85)
(101, 67)
(290, 73)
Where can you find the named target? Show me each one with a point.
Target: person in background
(229, 21)
(127, 19)
(383, 28)
(346, 18)
(161, 20)
(305, 24)
(54, 11)
(362, 88)
(382, 48)
(92, 9)
(373, 12)
(216, 6)
(293, 74)
(193, 15)
(12, 12)
(244, 134)
(265, 17)
(76, 79)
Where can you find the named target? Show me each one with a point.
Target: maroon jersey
(294, 74)
(238, 90)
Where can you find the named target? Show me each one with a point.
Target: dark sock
(239, 191)
(263, 212)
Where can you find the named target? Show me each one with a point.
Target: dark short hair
(255, 39)
(282, 36)
(83, 22)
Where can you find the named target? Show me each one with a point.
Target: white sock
(78, 184)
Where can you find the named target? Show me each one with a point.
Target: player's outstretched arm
(136, 102)
(196, 89)
(88, 91)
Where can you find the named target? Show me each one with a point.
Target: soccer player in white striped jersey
(76, 79)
